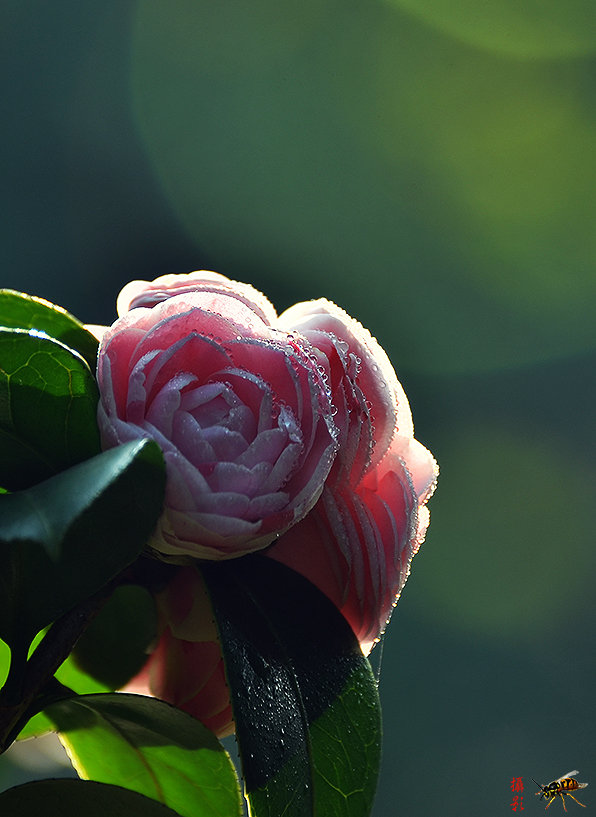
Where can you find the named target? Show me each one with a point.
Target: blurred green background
(430, 165)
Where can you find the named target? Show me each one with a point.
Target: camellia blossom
(290, 434)
(238, 405)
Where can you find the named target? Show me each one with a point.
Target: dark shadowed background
(430, 165)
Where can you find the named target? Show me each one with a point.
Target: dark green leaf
(48, 408)
(64, 539)
(150, 747)
(304, 697)
(21, 311)
(77, 798)
(113, 653)
(73, 677)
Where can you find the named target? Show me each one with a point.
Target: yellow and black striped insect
(561, 786)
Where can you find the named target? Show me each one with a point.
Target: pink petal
(376, 377)
(191, 676)
(145, 293)
(356, 546)
(190, 353)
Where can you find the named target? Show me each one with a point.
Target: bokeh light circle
(527, 29)
(442, 193)
(507, 555)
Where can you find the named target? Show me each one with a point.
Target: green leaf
(304, 697)
(21, 311)
(73, 677)
(4, 662)
(36, 726)
(64, 539)
(110, 652)
(77, 798)
(48, 408)
(149, 747)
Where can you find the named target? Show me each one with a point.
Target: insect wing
(569, 774)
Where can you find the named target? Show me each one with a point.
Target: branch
(37, 685)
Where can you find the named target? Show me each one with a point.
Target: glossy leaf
(304, 697)
(64, 539)
(149, 747)
(21, 311)
(48, 406)
(75, 798)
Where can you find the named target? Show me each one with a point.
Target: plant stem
(30, 683)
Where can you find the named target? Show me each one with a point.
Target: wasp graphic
(563, 785)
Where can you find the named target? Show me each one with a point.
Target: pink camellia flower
(237, 404)
(363, 480)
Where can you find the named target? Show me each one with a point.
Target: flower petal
(356, 546)
(375, 374)
(148, 294)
